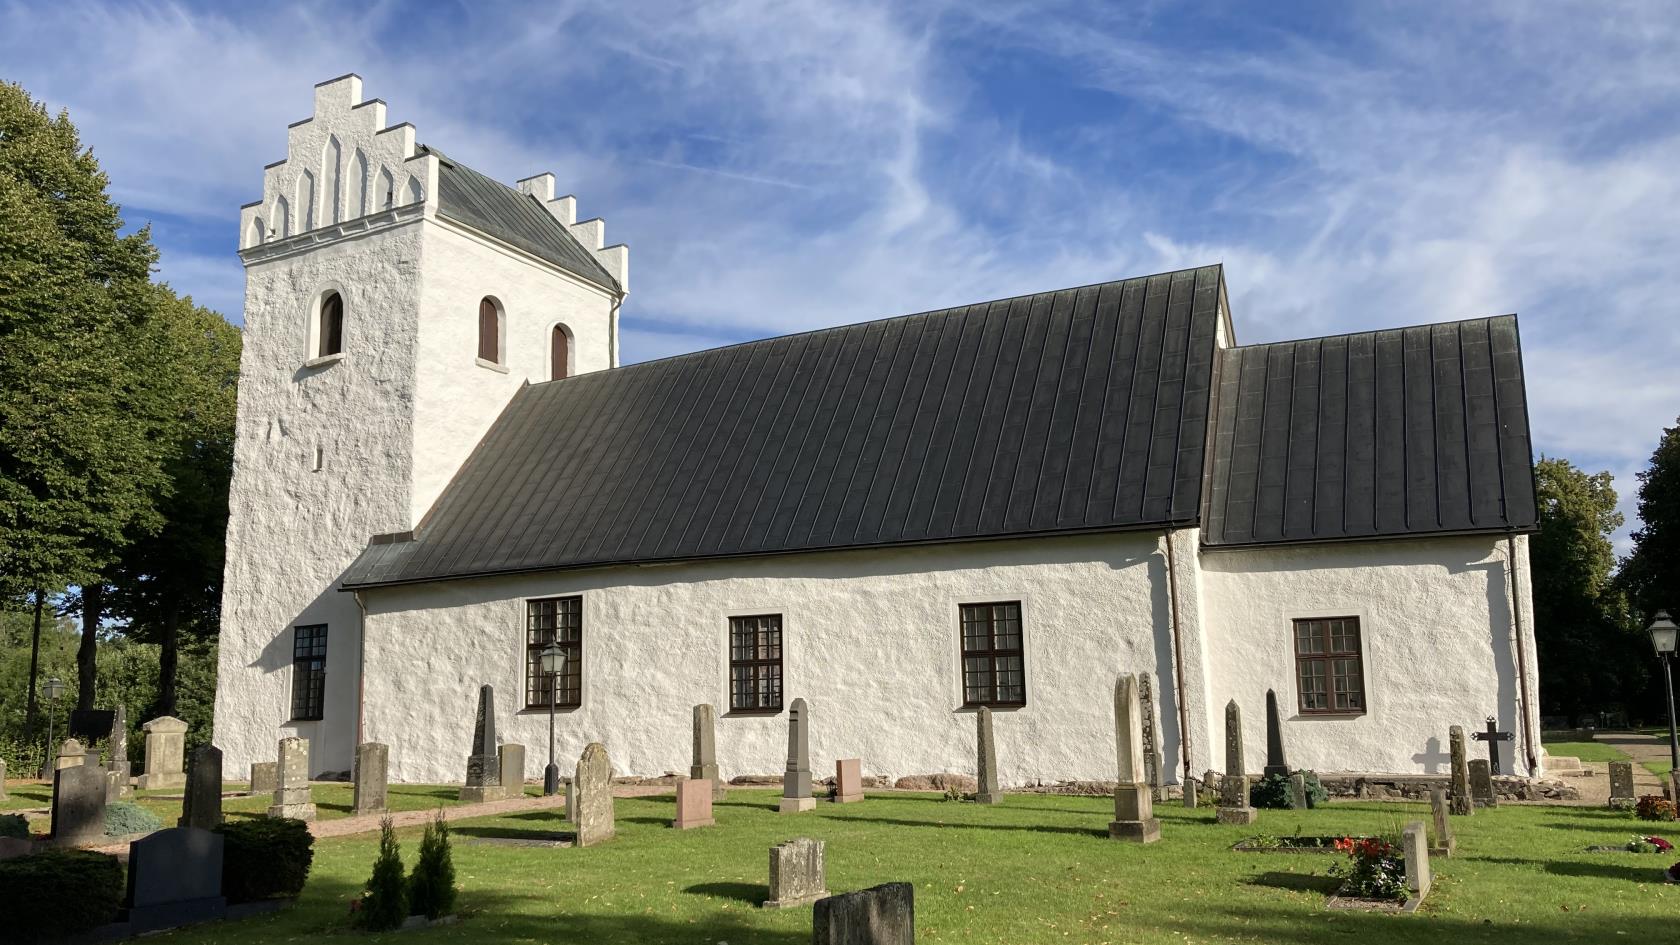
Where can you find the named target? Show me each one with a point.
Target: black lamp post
(553, 658)
(51, 690)
(1664, 635)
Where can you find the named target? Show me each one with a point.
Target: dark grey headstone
(78, 805)
(265, 777)
(1621, 784)
(1275, 762)
(1481, 783)
(484, 768)
(880, 915)
(174, 878)
(1460, 797)
(371, 787)
(1153, 761)
(201, 807)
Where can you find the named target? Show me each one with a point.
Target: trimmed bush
(384, 905)
(1654, 807)
(125, 817)
(15, 826)
(431, 887)
(1272, 791)
(57, 893)
(265, 858)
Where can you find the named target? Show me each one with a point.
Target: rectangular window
(1329, 669)
(755, 663)
(993, 674)
(554, 620)
(309, 672)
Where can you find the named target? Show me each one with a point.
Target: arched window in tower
(331, 332)
(560, 353)
(489, 331)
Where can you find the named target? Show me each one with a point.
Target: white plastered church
(441, 468)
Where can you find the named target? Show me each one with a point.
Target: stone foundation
(1416, 787)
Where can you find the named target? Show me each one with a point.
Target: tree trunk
(167, 652)
(34, 671)
(93, 608)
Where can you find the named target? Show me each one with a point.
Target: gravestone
(174, 878)
(1298, 791)
(511, 764)
(78, 804)
(291, 784)
(1234, 807)
(1275, 762)
(1621, 784)
(373, 763)
(70, 754)
(1192, 788)
(796, 782)
(1443, 844)
(1461, 803)
(571, 799)
(1414, 846)
(118, 771)
(484, 768)
(988, 790)
(1153, 764)
(264, 777)
(705, 750)
(166, 748)
(694, 804)
(879, 915)
(201, 806)
(592, 786)
(848, 781)
(796, 873)
(1673, 783)
(1493, 736)
(1481, 784)
(1134, 814)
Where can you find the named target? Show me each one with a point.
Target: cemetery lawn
(332, 800)
(1037, 868)
(1586, 751)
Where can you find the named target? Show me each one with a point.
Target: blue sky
(777, 166)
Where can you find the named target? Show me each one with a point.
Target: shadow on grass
(1295, 882)
(512, 833)
(750, 893)
(1633, 825)
(959, 825)
(1256, 923)
(1649, 871)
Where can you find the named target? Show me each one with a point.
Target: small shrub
(1264, 841)
(1272, 791)
(58, 893)
(1654, 807)
(384, 905)
(1316, 794)
(1374, 869)
(125, 817)
(265, 858)
(954, 793)
(431, 887)
(15, 826)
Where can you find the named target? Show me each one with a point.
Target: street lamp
(1664, 635)
(553, 659)
(52, 690)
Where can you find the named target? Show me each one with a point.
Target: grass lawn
(1659, 768)
(1034, 869)
(1586, 751)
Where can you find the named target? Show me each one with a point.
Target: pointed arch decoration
(332, 159)
(306, 201)
(414, 191)
(256, 234)
(386, 193)
(356, 187)
(281, 218)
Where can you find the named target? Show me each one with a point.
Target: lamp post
(553, 659)
(52, 690)
(1664, 635)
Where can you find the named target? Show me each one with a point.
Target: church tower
(395, 300)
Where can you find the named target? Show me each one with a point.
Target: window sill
(753, 713)
(995, 707)
(1326, 716)
(303, 721)
(491, 365)
(324, 360)
(561, 709)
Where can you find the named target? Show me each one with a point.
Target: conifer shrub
(125, 817)
(15, 826)
(431, 887)
(58, 893)
(384, 904)
(1272, 791)
(265, 858)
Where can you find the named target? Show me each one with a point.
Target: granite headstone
(201, 806)
(1134, 814)
(1462, 805)
(592, 787)
(989, 791)
(797, 874)
(879, 915)
(292, 797)
(1234, 807)
(372, 788)
(796, 781)
(78, 804)
(166, 748)
(174, 878)
(484, 768)
(705, 750)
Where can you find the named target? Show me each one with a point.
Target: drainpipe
(1178, 657)
(361, 662)
(1522, 653)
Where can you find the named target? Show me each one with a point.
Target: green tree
(1585, 649)
(1652, 572)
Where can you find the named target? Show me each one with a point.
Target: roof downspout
(612, 330)
(1522, 653)
(361, 661)
(1178, 658)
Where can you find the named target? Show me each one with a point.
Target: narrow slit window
(755, 663)
(1329, 666)
(331, 334)
(559, 354)
(994, 672)
(489, 331)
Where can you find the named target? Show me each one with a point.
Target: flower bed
(1269, 844)
(1373, 876)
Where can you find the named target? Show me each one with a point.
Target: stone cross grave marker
(1152, 761)
(166, 746)
(511, 764)
(174, 878)
(78, 804)
(705, 765)
(848, 780)
(1621, 784)
(879, 915)
(796, 781)
(201, 806)
(1134, 813)
(1443, 844)
(1234, 807)
(484, 768)
(118, 771)
(694, 804)
(987, 790)
(1481, 784)
(1414, 846)
(291, 784)
(1275, 761)
(797, 875)
(592, 786)
(1493, 736)
(1461, 803)
(70, 754)
(265, 777)
(373, 763)
(1298, 791)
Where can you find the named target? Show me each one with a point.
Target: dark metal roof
(494, 208)
(1079, 410)
(1410, 431)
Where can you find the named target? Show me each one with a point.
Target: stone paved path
(1640, 748)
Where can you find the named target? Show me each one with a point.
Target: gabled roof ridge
(1369, 331)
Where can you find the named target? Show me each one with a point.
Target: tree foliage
(1652, 572)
